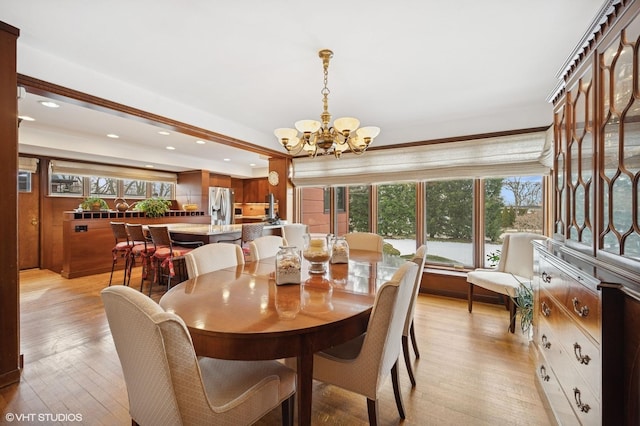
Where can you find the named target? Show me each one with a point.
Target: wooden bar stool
(143, 249)
(168, 254)
(122, 248)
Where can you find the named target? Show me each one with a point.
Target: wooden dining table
(241, 314)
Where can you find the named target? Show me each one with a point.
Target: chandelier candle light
(343, 136)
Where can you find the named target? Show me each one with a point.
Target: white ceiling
(420, 70)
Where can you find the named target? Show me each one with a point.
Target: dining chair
(409, 330)
(167, 383)
(364, 241)
(265, 246)
(122, 248)
(514, 268)
(142, 249)
(363, 364)
(167, 254)
(211, 257)
(294, 234)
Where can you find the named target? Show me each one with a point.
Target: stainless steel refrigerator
(221, 205)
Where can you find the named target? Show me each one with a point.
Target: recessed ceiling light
(113, 136)
(200, 142)
(150, 166)
(227, 159)
(252, 164)
(49, 104)
(164, 133)
(26, 118)
(171, 148)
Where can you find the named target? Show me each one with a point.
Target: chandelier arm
(354, 148)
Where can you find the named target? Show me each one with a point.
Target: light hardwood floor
(471, 370)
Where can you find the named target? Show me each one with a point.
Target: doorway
(28, 220)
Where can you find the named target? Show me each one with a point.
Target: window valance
(28, 164)
(515, 155)
(84, 169)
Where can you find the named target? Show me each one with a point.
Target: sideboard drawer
(546, 379)
(566, 344)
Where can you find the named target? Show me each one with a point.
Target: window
(163, 190)
(312, 209)
(67, 185)
(340, 199)
(359, 202)
(449, 222)
(103, 187)
(134, 188)
(397, 216)
(512, 204)
(24, 181)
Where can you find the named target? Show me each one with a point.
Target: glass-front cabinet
(620, 146)
(586, 281)
(597, 152)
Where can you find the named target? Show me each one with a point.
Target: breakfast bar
(87, 238)
(214, 233)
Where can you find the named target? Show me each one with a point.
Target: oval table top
(240, 313)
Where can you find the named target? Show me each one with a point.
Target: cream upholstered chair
(409, 331)
(265, 246)
(515, 267)
(362, 365)
(364, 241)
(169, 385)
(211, 257)
(294, 234)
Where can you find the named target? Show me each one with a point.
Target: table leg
(304, 389)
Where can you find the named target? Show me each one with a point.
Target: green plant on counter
(94, 203)
(153, 207)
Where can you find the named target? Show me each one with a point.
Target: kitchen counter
(201, 229)
(215, 233)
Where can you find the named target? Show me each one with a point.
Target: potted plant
(94, 203)
(153, 207)
(524, 304)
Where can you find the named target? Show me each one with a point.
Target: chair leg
(470, 297)
(372, 410)
(396, 389)
(414, 342)
(113, 267)
(407, 359)
(287, 410)
(512, 315)
(132, 261)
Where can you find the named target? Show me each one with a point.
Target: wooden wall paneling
(10, 359)
(281, 165)
(238, 190)
(220, 180)
(193, 188)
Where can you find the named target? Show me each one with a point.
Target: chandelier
(343, 136)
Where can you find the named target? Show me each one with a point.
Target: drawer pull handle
(546, 310)
(577, 350)
(583, 407)
(545, 342)
(583, 311)
(546, 277)
(543, 374)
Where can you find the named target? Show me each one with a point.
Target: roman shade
(84, 169)
(515, 155)
(27, 164)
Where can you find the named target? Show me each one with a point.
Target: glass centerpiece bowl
(317, 250)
